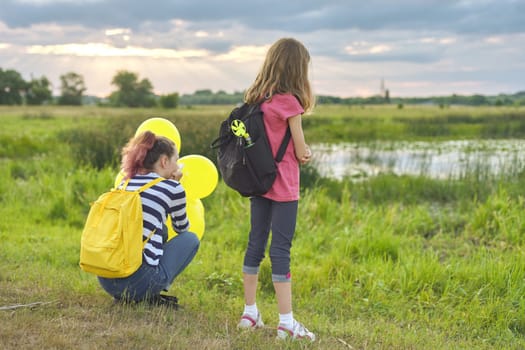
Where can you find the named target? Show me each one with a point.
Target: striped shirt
(162, 199)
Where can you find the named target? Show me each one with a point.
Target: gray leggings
(280, 218)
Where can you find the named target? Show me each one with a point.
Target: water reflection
(448, 159)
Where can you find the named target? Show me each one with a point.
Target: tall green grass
(394, 262)
(365, 123)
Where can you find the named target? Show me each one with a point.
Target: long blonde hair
(285, 70)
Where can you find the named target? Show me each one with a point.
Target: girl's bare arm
(302, 151)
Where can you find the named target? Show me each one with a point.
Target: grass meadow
(393, 262)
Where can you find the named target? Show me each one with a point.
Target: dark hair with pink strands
(143, 150)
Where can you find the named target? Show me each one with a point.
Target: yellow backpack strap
(143, 188)
(150, 184)
(147, 239)
(146, 186)
(125, 184)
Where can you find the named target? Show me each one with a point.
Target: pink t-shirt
(276, 114)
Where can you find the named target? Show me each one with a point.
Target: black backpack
(244, 155)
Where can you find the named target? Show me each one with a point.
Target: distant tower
(382, 90)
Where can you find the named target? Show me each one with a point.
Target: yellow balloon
(200, 176)
(195, 212)
(162, 127)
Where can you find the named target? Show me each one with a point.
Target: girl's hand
(177, 174)
(307, 157)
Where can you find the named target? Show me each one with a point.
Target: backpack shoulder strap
(125, 184)
(146, 186)
(284, 145)
(150, 184)
(286, 139)
(143, 188)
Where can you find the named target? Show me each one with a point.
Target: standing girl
(147, 157)
(283, 85)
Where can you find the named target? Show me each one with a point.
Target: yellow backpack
(111, 245)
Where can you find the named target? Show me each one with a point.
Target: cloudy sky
(419, 47)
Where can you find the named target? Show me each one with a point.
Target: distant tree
(478, 100)
(145, 95)
(38, 91)
(12, 86)
(131, 92)
(126, 83)
(328, 99)
(169, 100)
(204, 92)
(72, 87)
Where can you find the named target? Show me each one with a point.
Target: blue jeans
(280, 218)
(148, 280)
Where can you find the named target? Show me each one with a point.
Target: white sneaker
(248, 322)
(298, 332)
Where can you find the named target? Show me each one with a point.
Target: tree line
(208, 97)
(134, 92)
(517, 99)
(130, 91)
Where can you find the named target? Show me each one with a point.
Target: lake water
(447, 159)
